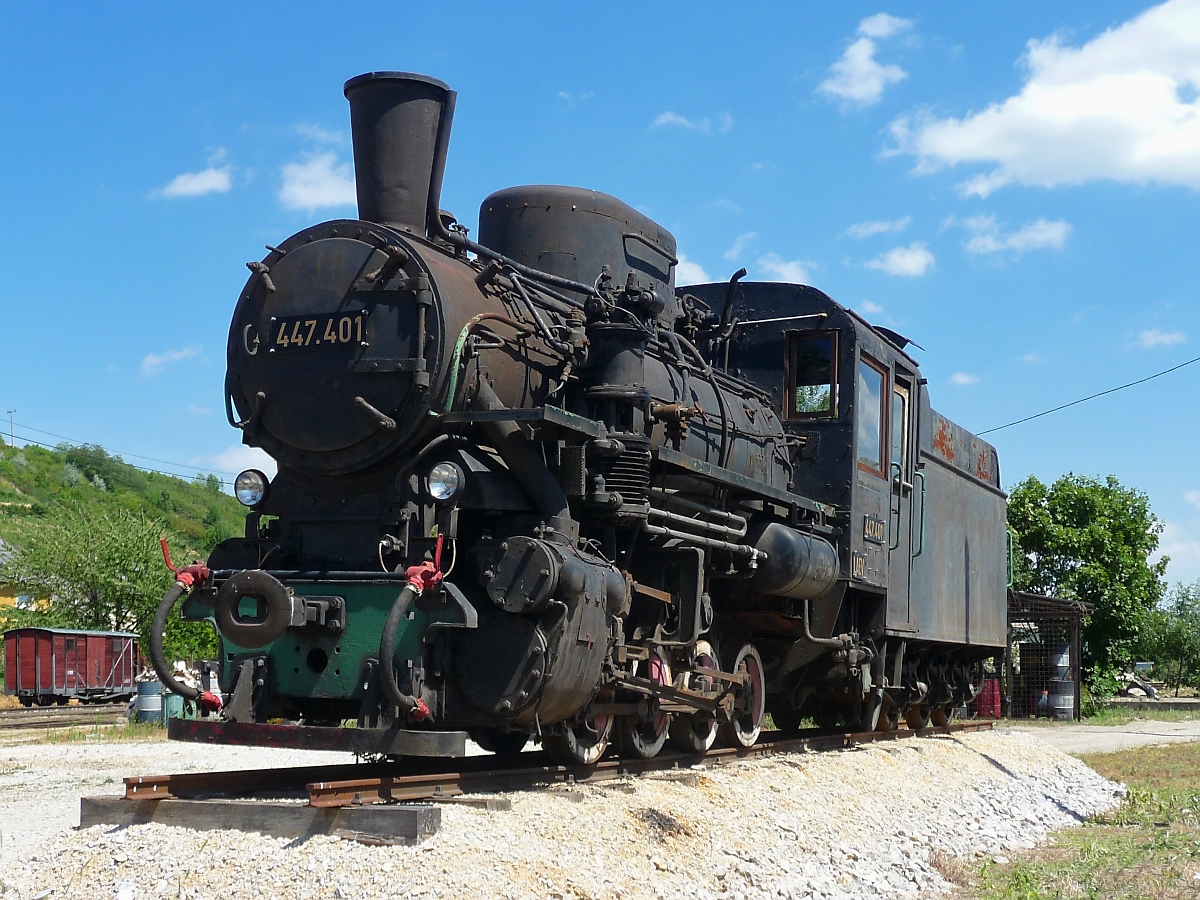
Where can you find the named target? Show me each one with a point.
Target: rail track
(416, 779)
(62, 716)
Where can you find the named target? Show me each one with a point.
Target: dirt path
(1111, 738)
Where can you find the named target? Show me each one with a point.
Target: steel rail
(438, 779)
(61, 716)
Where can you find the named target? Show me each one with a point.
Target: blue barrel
(150, 701)
(172, 705)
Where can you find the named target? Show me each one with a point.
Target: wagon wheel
(697, 732)
(916, 716)
(942, 714)
(743, 729)
(502, 743)
(27, 702)
(582, 741)
(644, 736)
(889, 715)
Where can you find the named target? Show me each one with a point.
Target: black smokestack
(400, 125)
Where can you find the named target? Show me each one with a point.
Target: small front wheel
(582, 741)
(502, 743)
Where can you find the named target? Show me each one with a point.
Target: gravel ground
(857, 823)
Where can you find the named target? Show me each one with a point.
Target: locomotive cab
(920, 507)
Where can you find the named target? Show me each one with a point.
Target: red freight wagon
(52, 665)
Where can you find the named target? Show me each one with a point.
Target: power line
(1093, 396)
(79, 443)
(178, 475)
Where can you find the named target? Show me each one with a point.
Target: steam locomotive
(529, 488)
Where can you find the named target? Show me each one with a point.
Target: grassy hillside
(36, 482)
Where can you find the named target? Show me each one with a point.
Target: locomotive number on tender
(321, 330)
(874, 529)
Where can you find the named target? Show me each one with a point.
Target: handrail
(897, 483)
(1011, 536)
(921, 544)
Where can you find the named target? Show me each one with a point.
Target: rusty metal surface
(63, 716)
(435, 779)
(393, 741)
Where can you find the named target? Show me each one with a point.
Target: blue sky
(1014, 186)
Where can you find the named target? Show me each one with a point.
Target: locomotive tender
(529, 488)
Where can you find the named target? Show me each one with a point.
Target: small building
(1042, 662)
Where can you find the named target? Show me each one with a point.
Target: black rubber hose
(157, 658)
(387, 650)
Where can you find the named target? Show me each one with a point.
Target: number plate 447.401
(320, 330)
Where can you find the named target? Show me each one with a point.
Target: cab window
(811, 375)
(868, 405)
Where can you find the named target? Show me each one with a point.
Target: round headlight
(445, 481)
(250, 487)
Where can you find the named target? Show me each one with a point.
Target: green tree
(1090, 540)
(102, 571)
(1172, 640)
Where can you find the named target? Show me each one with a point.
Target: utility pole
(12, 435)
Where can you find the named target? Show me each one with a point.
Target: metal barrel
(172, 706)
(149, 701)
(1062, 700)
(395, 119)
(1058, 661)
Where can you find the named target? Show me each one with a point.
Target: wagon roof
(75, 631)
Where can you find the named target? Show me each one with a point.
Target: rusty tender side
(530, 489)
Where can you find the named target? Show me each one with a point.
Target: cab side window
(868, 406)
(811, 375)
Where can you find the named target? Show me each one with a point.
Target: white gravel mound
(857, 823)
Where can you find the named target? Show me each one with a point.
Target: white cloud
(725, 204)
(197, 410)
(1155, 338)
(794, 271)
(237, 458)
(988, 237)
(868, 229)
(962, 379)
(1031, 358)
(911, 261)
(739, 244)
(154, 363)
(1122, 107)
(570, 101)
(195, 184)
(881, 25)
(857, 77)
(871, 308)
(706, 125)
(688, 272)
(320, 135)
(1192, 497)
(320, 180)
